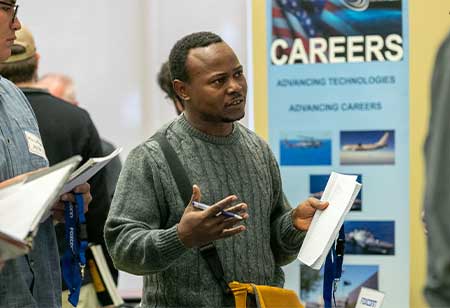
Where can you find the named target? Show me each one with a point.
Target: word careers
(338, 49)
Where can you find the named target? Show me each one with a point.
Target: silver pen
(203, 206)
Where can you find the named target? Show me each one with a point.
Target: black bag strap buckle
(340, 245)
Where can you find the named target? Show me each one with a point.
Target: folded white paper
(340, 191)
(88, 170)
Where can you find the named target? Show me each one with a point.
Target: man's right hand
(197, 228)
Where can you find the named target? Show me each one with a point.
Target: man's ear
(180, 88)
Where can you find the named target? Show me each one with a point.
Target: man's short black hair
(180, 51)
(165, 81)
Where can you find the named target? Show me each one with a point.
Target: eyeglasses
(10, 6)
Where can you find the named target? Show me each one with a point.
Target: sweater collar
(192, 131)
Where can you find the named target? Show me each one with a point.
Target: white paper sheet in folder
(340, 192)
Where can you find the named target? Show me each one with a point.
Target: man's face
(8, 27)
(217, 89)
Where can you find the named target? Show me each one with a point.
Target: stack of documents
(340, 192)
(24, 204)
(88, 170)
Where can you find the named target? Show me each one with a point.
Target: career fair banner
(338, 101)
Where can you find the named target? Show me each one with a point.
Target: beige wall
(429, 22)
(260, 68)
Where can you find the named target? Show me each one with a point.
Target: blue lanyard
(333, 269)
(74, 258)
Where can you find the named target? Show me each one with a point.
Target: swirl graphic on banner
(356, 5)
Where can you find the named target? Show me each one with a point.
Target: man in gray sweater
(150, 230)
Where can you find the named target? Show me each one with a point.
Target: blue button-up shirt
(32, 280)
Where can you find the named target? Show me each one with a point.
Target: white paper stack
(88, 170)
(24, 204)
(340, 192)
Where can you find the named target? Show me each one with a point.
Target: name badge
(369, 298)
(35, 145)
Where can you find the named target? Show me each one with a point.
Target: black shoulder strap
(179, 174)
(209, 251)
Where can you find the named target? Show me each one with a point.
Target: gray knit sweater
(141, 229)
(437, 192)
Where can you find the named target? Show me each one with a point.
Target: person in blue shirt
(32, 280)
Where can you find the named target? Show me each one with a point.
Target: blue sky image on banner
(370, 237)
(374, 147)
(305, 149)
(353, 278)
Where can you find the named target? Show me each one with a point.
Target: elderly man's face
(8, 26)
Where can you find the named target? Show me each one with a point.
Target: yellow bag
(264, 296)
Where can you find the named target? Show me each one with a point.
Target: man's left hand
(304, 213)
(58, 208)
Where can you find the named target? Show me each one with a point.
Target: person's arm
(135, 231)
(285, 238)
(288, 226)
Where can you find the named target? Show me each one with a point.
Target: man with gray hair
(59, 85)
